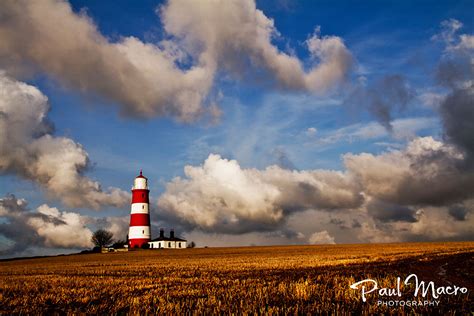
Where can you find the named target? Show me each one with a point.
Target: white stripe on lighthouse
(140, 183)
(137, 232)
(139, 208)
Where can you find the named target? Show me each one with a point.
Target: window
(169, 245)
(179, 245)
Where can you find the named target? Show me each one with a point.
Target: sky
(257, 123)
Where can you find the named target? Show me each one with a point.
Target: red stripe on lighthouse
(137, 242)
(140, 219)
(140, 196)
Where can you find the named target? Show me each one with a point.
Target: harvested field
(284, 279)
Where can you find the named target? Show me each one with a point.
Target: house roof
(168, 239)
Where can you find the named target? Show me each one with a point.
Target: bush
(119, 244)
(102, 238)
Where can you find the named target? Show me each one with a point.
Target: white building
(170, 242)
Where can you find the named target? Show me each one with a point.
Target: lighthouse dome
(141, 182)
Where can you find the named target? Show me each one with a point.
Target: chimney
(162, 233)
(172, 233)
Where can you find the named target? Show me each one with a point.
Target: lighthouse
(139, 231)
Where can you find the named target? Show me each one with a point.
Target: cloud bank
(395, 188)
(221, 196)
(48, 227)
(45, 227)
(426, 172)
(148, 79)
(28, 149)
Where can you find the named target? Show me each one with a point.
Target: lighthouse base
(138, 243)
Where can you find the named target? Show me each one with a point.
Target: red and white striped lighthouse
(139, 232)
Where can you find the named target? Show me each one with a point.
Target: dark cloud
(457, 112)
(49, 228)
(15, 228)
(44, 227)
(425, 173)
(337, 222)
(388, 212)
(383, 97)
(282, 159)
(458, 212)
(342, 224)
(455, 71)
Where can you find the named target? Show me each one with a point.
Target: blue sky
(261, 125)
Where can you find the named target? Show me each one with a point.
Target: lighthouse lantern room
(139, 233)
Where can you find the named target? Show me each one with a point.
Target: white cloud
(403, 129)
(28, 149)
(449, 29)
(232, 37)
(61, 229)
(334, 61)
(43, 227)
(321, 238)
(431, 99)
(466, 42)
(118, 226)
(142, 78)
(221, 196)
(47, 227)
(205, 28)
(311, 131)
(453, 41)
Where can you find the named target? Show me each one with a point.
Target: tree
(102, 238)
(119, 244)
(191, 244)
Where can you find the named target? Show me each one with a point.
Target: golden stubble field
(270, 280)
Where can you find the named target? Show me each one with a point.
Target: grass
(270, 280)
